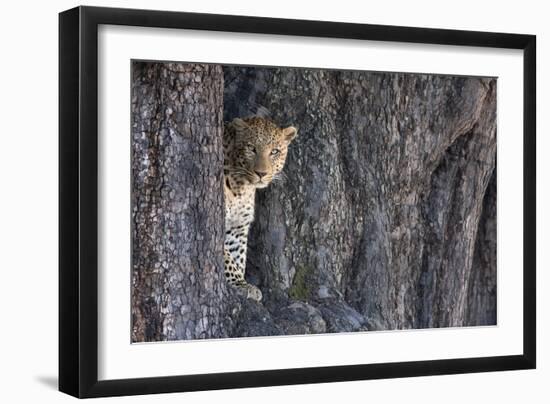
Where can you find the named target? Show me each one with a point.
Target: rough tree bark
(178, 289)
(386, 218)
(381, 222)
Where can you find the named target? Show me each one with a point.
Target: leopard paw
(249, 291)
(253, 293)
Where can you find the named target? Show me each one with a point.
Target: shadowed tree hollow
(385, 219)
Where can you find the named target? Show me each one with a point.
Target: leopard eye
(274, 152)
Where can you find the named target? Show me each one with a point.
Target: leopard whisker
(237, 170)
(279, 177)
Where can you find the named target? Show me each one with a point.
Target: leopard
(255, 151)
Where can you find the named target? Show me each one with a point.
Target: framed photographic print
(250, 201)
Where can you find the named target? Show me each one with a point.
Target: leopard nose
(261, 173)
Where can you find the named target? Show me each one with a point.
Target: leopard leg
(235, 247)
(234, 273)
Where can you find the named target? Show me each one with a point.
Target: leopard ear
(239, 124)
(290, 133)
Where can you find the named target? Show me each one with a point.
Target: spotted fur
(255, 152)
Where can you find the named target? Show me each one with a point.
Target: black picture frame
(78, 201)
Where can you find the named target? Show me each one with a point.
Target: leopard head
(256, 150)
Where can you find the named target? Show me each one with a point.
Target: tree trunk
(376, 224)
(178, 289)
